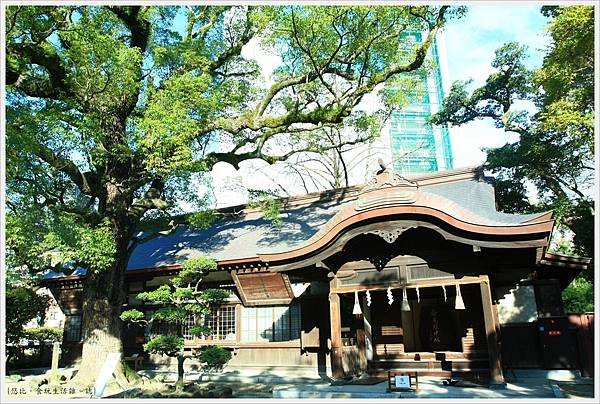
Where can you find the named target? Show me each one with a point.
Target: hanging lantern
(460, 304)
(356, 309)
(418, 296)
(368, 298)
(445, 295)
(404, 306)
(390, 296)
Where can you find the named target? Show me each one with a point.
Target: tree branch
(152, 199)
(87, 183)
(138, 27)
(54, 86)
(236, 49)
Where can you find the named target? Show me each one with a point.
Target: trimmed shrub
(214, 356)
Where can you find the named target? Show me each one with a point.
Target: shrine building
(405, 274)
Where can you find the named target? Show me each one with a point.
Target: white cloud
(468, 141)
(266, 59)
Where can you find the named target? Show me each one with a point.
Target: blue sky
(469, 46)
(471, 41)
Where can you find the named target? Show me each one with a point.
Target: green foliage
(182, 293)
(268, 203)
(161, 295)
(202, 220)
(44, 334)
(113, 112)
(40, 241)
(22, 306)
(169, 345)
(214, 296)
(171, 314)
(192, 271)
(578, 297)
(132, 315)
(96, 247)
(555, 151)
(200, 330)
(214, 355)
(199, 264)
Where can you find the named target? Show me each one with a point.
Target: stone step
(404, 364)
(448, 355)
(432, 372)
(459, 365)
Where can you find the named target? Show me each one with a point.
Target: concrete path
(430, 387)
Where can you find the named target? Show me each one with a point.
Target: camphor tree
(179, 301)
(555, 150)
(115, 113)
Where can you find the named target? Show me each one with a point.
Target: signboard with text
(402, 382)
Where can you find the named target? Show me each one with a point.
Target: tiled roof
(248, 233)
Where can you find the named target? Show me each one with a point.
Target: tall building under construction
(416, 145)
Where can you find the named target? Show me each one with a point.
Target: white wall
(518, 306)
(54, 317)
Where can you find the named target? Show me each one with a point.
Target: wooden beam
(496, 376)
(336, 336)
(411, 285)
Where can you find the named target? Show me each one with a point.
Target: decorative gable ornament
(390, 235)
(387, 189)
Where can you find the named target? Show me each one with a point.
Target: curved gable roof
(461, 197)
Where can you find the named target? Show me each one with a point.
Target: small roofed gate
(557, 342)
(567, 342)
(584, 324)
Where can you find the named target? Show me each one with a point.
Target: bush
(22, 305)
(42, 334)
(165, 344)
(578, 297)
(214, 355)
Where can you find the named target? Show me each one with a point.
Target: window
(188, 323)
(166, 328)
(73, 328)
(221, 321)
(134, 288)
(272, 323)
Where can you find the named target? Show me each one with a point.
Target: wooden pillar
(496, 376)
(337, 369)
(368, 330)
(362, 350)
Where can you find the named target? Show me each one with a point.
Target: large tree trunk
(103, 295)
